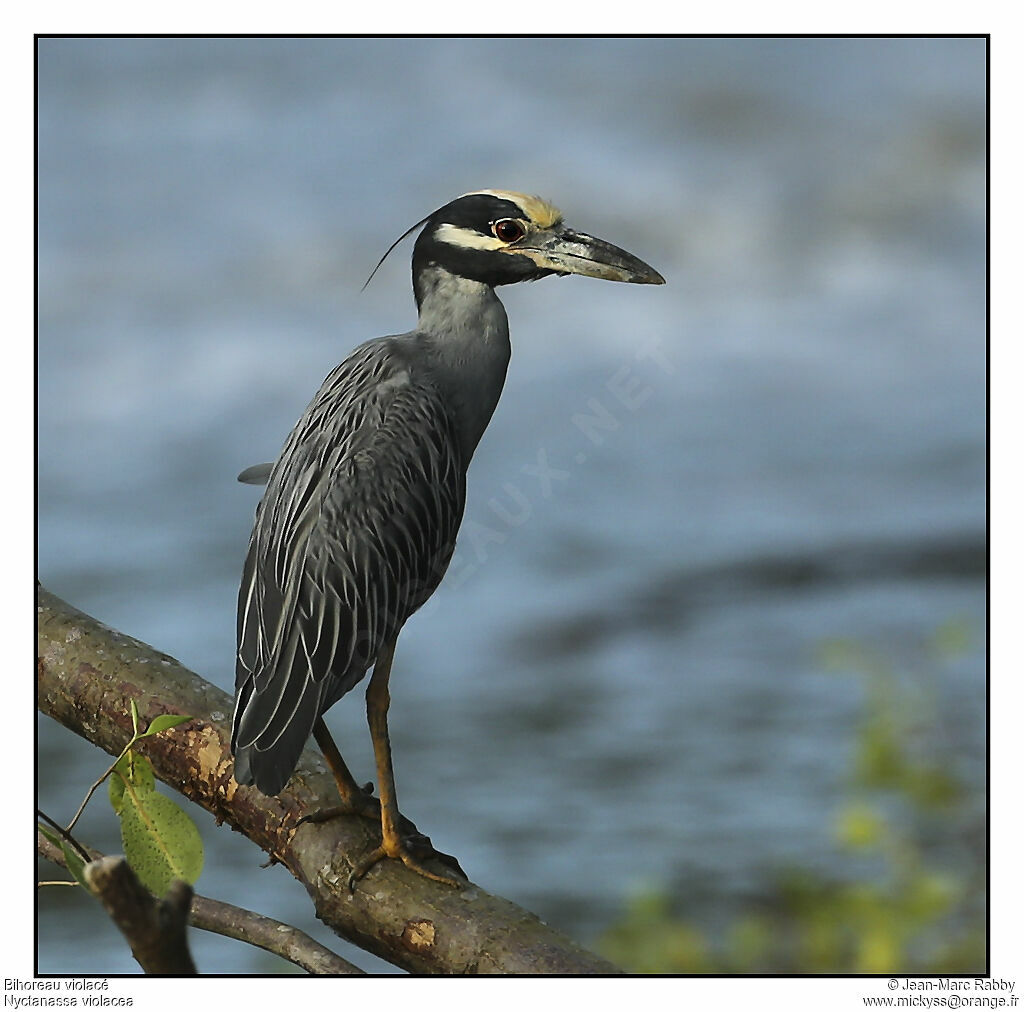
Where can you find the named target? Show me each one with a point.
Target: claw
(368, 808)
(401, 854)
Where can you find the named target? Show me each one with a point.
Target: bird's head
(499, 237)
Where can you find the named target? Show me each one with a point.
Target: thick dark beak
(568, 252)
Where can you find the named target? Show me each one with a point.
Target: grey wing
(353, 534)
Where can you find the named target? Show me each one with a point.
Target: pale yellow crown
(540, 212)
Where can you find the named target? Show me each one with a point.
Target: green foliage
(130, 771)
(649, 939)
(74, 862)
(911, 916)
(72, 858)
(164, 722)
(161, 842)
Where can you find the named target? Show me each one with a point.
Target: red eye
(507, 230)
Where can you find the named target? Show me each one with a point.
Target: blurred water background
(685, 491)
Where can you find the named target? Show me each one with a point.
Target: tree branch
(155, 929)
(244, 925)
(86, 675)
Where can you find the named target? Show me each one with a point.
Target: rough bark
(155, 929)
(244, 925)
(87, 673)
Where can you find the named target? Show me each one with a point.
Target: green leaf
(131, 770)
(953, 638)
(115, 790)
(160, 841)
(163, 723)
(75, 864)
(72, 858)
(135, 716)
(859, 826)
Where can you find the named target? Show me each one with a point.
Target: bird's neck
(463, 325)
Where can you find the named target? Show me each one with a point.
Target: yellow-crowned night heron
(358, 522)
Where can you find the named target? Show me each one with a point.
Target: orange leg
(355, 800)
(378, 699)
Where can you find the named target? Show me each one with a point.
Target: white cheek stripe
(467, 238)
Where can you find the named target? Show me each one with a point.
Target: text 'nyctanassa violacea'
(359, 518)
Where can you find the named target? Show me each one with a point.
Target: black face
(475, 211)
(489, 217)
